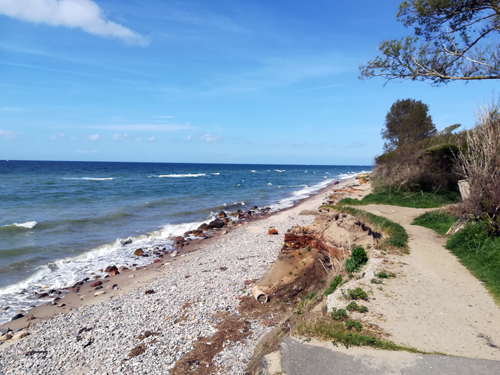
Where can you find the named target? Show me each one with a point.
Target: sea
(62, 221)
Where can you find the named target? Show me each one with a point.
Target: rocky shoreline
(175, 316)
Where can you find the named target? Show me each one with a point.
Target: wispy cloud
(93, 137)
(9, 135)
(119, 137)
(145, 127)
(82, 14)
(56, 136)
(151, 139)
(209, 138)
(12, 109)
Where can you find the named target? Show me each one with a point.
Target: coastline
(147, 274)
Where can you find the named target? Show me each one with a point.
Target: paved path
(304, 359)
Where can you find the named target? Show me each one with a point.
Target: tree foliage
(453, 40)
(407, 121)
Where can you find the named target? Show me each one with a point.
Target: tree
(407, 121)
(450, 43)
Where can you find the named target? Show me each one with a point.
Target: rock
(20, 335)
(128, 241)
(217, 223)
(100, 293)
(6, 337)
(100, 270)
(254, 208)
(201, 235)
(43, 295)
(173, 254)
(222, 214)
(139, 253)
(30, 317)
(123, 268)
(149, 291)
(61, 305)
(156, 261)
(99, 287)
(3, 331)
(224, 232)
(76, 290)
(6, 308)
(95, 283)
(113, 273)
(111, 269)
(17, 316)
(96, 277)
(203, 227)
(272, 231)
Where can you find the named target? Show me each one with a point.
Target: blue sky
(197, 81)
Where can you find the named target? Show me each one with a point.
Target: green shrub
(480, 253)
(357, 293)
(436, 221)
(353, 324)
(339, 314)
(353, 306)
(357, 259)
(333, 285)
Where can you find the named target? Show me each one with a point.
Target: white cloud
(145, 127)
(119, 137)
(11, 109)
(189, 138)
(83, 14)
(211, 138)
(151, 139)
(9, 135)
(93, 137)
(56, 136)
(138, 140)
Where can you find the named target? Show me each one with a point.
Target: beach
(159, 313)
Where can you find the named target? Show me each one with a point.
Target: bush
(437, 221)
(357, 259)
(353, 306)
(357, 293)
(353, 324)
(333, 285)
(339, 314)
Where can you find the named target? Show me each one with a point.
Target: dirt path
(434, 303)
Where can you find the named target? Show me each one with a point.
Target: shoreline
(129, 280)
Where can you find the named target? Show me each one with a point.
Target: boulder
(254, 208)
(216, 224)
(222, 214)
(113, 273)
(43, 295)
(20, 335)
(17, 316)
(139, 253)
(4, 330)
(149, 291)
(203, 227)
(6, 337)
(111, 269)
(156, 261)
(95, 283)
(123, 268)
(100, 293)
(173, 254)
(272, 231)
(30, 317)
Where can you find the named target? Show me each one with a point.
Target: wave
(216, 174)
(26, 225)
(279, 170)
(181, 175)
(89, 178)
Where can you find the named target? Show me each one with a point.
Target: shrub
(333, 285)
(357, 293)
(437, 221)
(353, 324)
(357, 259)
(353, 306)
(339, 314)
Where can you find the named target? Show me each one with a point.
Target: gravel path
(188, 300)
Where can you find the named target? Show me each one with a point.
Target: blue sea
(61, 221)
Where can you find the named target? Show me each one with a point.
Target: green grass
(436, 221)
(357, 259)
(480, 253)
(397, 235)
(333, 285)
(405, 199)
(339, 333)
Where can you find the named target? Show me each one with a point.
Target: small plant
(308, 248)
(291, 273)
(376, 281)
(300, 253)
(285, 246)
(353, 324)
(310, 295)
(357, 259)
(358, 293)
(382, 275)
(339, 314)
(304, 232)
(322, 281)
(288, 290)
(353, 306)
(333, 285)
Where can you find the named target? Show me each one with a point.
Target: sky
(273, 82)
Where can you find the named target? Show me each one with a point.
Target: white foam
(269, 183)
(27, 225)
(182, 175)
(252, 171)
(216, 174)
(279, 170)
(89, 178)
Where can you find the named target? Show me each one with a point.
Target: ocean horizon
(62, 221)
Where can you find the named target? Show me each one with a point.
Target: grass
(436, 221)
(480, 253)
(353, 306)
(357, 293)
(339, 333)
(397, 236)
(333, 285)
(405, 199)
(357, 259)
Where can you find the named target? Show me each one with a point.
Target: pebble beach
(157, 322)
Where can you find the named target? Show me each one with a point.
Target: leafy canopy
(453, 40)
(407, 121)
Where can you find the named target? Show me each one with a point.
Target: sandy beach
(157, 315)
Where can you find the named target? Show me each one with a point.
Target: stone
(100, 293)
(99, 287)
(139, 253)
(123, 268)
(156, 261)
(17, 316)
(20, 335)
(272, 231)
(30, 317)
(216, 224)
(149, 291)
(6, 337)
(222, 214)
(203, 227)
(61, 305)
(111, 269)
(114, 273)
(95, 283)
(96, 277)
(254, 208)
(173, 254)
(76, 290)
(4, 330)
(43, 295)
